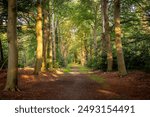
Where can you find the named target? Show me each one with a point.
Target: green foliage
(98, 63)
(75, 33)
(26, 48)
(3, 38)
(137, 52)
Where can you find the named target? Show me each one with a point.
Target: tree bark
(11, 83)
(95, 32)
(53, 35)
(39, 38)
(50, 50)
(83, 56)
(120, 56)
(103, 28)
(45, 37)
(107, 37)
(103, 38)
(57, 40)
(90, 51)
(86, 50)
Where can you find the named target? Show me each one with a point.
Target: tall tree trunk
(107, 37)
(120, 56)
(12, 72)
(90, 51)
(50, 50)
(53, 35)
(103, 38)
(57, 41)
(95, 32)
(86, 50)
(82, 52)
(95, 39)
(103, 27)
(39, 38)
(45, 37)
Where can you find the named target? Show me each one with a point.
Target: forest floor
(78, 83)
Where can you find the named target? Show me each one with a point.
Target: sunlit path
(77, 82)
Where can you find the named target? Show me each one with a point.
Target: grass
(67, 69)
(97, 79)
(84, 69)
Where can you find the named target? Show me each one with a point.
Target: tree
(39, 37)
(53, 35)
(120, 56)
(95, 30)
(45, 36)
(12, 72)
(106, 35)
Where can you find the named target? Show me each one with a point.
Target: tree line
(102, 34)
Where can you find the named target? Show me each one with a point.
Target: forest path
(78, 83)
(72, 85)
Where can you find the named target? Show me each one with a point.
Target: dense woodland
(107, 35)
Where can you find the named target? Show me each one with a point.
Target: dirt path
(72, 85)
(77, 85)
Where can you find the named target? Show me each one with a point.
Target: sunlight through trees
(110, 35)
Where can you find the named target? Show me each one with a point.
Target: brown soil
(78, 85)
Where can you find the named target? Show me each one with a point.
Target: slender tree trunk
(39, 38)
(86, 50)
(53, 35)
(109, 54)
(12, 72)
(82, 52)
(90, 51)
(107, 37)
(103, 27)
(45, 38)
(103, 38)
(95, 32)
(50, 50)
(120, 56)
(57, 39)
(95, 39)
